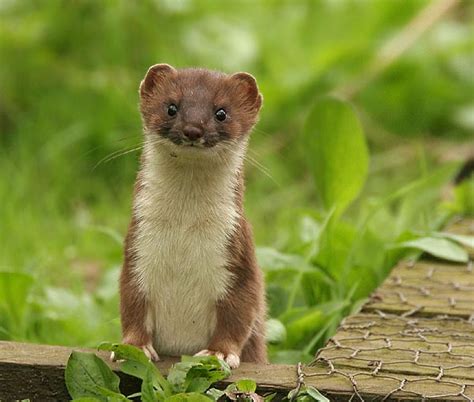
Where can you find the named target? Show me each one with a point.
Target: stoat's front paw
(232, 359)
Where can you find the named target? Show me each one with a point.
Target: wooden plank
(37, 372)
(431, 287)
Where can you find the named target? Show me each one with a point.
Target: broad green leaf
(464, 197)
(215, 393)
(336, 152)
(307, 394)
(270, 397)
(465, 240)
(302, 327)
(309, 229)
(86, 399)
(111, 395)
(136, 364)
(316, 241)
(126, 352)
(148, 393)
(246, 385)
(87, 375)
(270, 259)
(275, 331)
(315, 394)
(188, 397)
(198, 383)
(441, 248)
(197, 373)
(14, 290)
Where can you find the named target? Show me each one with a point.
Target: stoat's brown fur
(190, 283)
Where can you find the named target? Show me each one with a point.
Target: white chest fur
(186, 212)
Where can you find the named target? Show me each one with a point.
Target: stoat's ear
(247, 87)
(154, 75)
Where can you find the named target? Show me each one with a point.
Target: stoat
(190, 283)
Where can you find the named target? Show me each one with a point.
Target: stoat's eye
(172, 110)
(221, 115)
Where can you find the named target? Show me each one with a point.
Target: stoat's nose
(192, 133)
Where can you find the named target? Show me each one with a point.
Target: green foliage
(306, 394)
(336, 152)
(14, 291)
(441, 248)
(464, 198)
(88, 378)
(338, 261)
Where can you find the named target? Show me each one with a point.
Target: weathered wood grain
(37, 372)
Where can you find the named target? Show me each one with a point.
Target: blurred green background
(69, 75)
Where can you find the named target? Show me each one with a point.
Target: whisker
(262, 169)
(260, 131)
(257, 165)
(117, 154)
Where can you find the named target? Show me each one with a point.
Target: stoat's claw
(150, 352)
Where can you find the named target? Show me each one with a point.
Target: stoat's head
(198, 108)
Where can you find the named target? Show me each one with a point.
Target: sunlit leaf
(14, 290)
(275, 331)
(246, 385)
(336, 151)
(464, 240)
(136, 364)
(86, 375)
(441, 248)
(315, 394)
(188, 397)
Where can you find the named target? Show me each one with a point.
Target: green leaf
(137, 364)
(464, 197)
(246, 385)
(86, 399)
(270, 397)
(215, 393)
(14, 290)
(87, 375)
(303, 325)
(315, 394)
(307, 394)
(197, 373)
(148, 393)
(275, 331)
(441, 248)
(188, 397)
(336, 152)
(464, 240)
(125, 352)
(309, 229)
(273, 260)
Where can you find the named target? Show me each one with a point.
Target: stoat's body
(190, 283)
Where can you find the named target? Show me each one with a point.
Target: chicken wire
(413, 340)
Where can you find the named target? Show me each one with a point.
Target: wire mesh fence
(414, 339)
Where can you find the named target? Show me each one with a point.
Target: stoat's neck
(189, 175)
